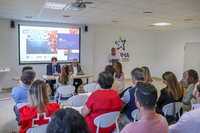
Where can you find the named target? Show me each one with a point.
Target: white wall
(161, 52)
(191, 61)
(9, 53)
(139, 45)
(169, 50)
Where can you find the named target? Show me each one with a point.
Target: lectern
(3, 69)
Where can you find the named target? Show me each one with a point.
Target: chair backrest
(107, 120)
(90, 87)
(136, 114)
(177, 106)
(172, 108)
(38, 129)
(66, 90)
(19, 105)
(193, 101)
(168, 109)
(78, 100)
(121, 85)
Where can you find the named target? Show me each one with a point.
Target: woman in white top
(118, 75)
(63, 80)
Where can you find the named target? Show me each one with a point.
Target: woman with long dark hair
(118, 75)
(191, 80)
(171, 93)
(63, 80)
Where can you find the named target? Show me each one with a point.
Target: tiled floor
(7, 116)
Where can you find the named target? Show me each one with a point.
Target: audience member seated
(192, 80)
(63, 80)
(24, 69)
(39, 110)
(183, 82)
(20, 93)
(189, 121)
(67, 121)
(53, 67)
(172, 93)
(74, 69)
(115, 85)
(102, 101)
(147, 75)
(128, 99)
(151, 122)
(118, 75)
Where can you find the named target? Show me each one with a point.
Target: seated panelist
(74, 69)
(53, 67)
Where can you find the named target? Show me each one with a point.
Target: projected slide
(39, 44)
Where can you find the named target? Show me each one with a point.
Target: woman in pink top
(118, 75)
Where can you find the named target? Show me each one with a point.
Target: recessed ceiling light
(57, 6)
(66, 16)
(188, 19)
(147, 12)
(152, 30)
(28, 17)
(114, 21)
(161, 24)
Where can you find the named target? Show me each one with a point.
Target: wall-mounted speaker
(12, 24)
(86, 28)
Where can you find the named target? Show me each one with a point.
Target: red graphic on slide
(74, 31)
(53, 41)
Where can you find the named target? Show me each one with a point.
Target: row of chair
(106, 120)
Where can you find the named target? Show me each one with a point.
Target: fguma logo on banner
(121, 47)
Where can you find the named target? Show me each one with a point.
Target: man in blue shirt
(20, 94)
(128, 99)
(53, 67)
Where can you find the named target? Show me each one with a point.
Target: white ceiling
(128, 13)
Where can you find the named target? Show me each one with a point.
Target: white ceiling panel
(184, 3)
(128, 13)
(146, 4)
(13, 12)
(194, 7)
(162, 1)
(123, 2)
(8, 7)
(130, 9)
(165, 8)
(31, 3)
(10, 2)
(110, 6)
(99, 11)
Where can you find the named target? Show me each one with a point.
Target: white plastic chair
(193, 101)
(121, 85)
(19, 105)
(136, 114)
(65, 91)
(90, 87)
(177, 108)
(169, 109)
(77, 102)
(107, 120)
(38, 129)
